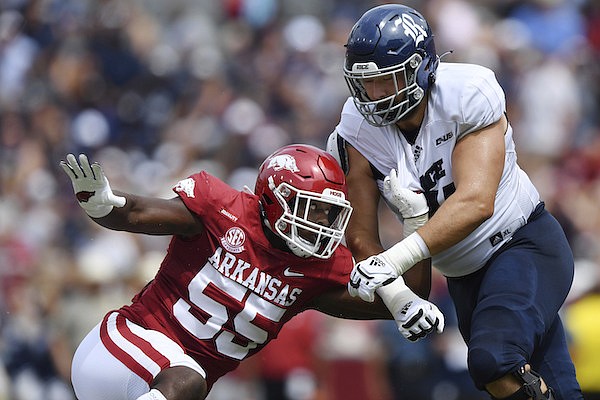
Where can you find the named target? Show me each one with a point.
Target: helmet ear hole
(432, 78)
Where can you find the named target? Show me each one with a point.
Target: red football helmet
(303, 193)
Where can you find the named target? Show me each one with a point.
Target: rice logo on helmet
(412, 28)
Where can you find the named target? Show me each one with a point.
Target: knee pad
(483, 367)
(531, 389)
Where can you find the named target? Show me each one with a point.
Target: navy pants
(508, 311)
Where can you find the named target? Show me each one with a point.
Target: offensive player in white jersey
(238, 267)
(434, 140)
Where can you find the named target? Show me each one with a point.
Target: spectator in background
(353, 364)
(17, 54)
(583, 325)
(291, 366)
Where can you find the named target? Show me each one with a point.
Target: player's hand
(419, 318)
(408, 203)
(415, 317)
(91, 186)
(368, 275)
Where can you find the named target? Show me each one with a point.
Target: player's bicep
(478, 162)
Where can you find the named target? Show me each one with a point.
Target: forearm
(446, 228)
(477, 167)
(362, 235)
(362, 246)
(134, 216)
(339, 304)
(418, 278)
(451, 223)
(151, 216)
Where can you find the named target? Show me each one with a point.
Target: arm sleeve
(200, 192)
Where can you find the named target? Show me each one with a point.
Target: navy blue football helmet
(395, 41)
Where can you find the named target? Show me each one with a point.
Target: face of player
(318, 212)
(388, 86)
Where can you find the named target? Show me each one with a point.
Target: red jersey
(226, 293)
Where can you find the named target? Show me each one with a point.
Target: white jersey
(464, 99)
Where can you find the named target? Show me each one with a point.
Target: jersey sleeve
(201, 191)
(482, 102)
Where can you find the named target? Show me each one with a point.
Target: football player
(416, 125)
(238, 267)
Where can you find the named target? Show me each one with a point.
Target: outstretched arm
(153, 216)
(124, 211)
(362, 234)
(339, 303)
(414, 316)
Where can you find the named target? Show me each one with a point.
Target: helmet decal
(412, 29)
(186, 186)
(334, 193)
(365, 67)
(284, 161)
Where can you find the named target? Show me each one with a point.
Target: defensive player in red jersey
(238, 267)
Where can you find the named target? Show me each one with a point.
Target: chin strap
(531, 389)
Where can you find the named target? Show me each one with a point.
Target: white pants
(125, 372)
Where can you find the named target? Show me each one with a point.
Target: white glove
(91, 186)
(415, 317)
(408, 203)
(368, 275)
(412, 206)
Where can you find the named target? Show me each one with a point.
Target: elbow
(480, 205)
(352, 241)
(354, 244)
(483, 209)
(361, 248)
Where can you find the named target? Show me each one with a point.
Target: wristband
(395, 295)
(406, 253)
(412, 224)
(97, 211)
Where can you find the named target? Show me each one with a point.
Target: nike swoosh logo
(292, 274)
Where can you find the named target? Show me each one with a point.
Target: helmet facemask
(388, 110)
(312, 224)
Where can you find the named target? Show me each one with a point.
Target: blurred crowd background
(155, 90)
